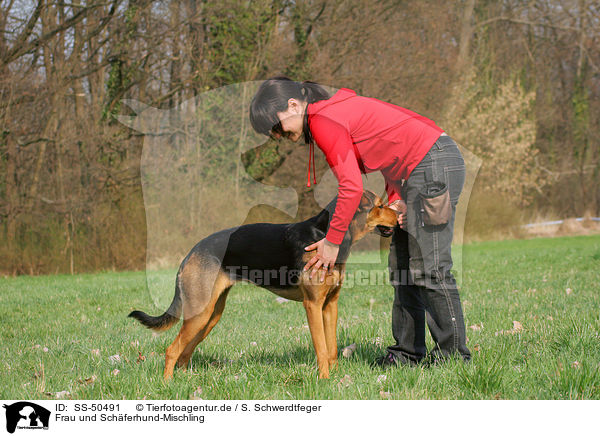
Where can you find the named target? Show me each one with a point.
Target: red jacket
(361, 135)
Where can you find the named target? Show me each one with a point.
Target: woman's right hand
(400, 207)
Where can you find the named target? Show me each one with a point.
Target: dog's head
(373, 215)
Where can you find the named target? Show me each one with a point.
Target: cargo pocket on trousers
(436, 208)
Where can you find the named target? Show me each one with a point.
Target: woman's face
(291, 120)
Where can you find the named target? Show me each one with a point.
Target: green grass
(261, 349)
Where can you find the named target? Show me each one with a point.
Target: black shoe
(386, 361)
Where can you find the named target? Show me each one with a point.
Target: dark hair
(272, 97)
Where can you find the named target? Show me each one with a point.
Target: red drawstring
(311, 158)
(312, 148)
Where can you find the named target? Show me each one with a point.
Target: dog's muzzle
(384, 231)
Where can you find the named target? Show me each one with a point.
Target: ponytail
(313, 92)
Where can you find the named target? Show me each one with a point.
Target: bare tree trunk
(466, 35)
(582, 115)
(175, 53)
(11, 192)
(242, 140)
(462, 68)
(35, 180)
(52, 122)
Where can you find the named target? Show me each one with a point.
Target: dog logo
(26, 415)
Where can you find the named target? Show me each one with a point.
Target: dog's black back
(270, 255)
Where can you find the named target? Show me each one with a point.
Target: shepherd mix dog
(271, 256)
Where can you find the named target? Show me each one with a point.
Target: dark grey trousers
(420, 262)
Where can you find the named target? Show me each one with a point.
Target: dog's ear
(368, 201)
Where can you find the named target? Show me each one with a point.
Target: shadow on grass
(365, 353)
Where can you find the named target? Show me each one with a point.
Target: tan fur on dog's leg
(330, 316)
(197, 314)
(314, 314)
(184, 358)
(190, 328)
(171, 355)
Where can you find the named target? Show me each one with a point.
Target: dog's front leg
(314, 314)
(330, 316)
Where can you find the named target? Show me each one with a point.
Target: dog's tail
(164, 321)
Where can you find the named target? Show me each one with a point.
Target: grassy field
(532, 311)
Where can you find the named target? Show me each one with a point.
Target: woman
(360, 135)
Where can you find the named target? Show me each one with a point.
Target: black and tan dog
(271, 256)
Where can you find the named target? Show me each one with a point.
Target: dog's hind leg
(185, 356)
(188, 332)
(202, 282)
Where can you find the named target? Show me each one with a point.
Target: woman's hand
(400, 207)
(326, 256)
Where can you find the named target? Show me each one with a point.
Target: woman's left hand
(326, 256)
